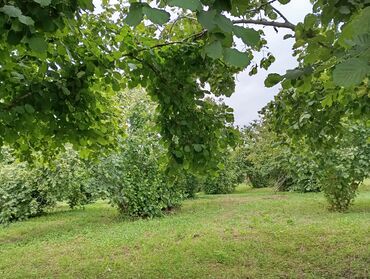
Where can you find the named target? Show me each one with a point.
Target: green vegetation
(126, 105)
(254, 233)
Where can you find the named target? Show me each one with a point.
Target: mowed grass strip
(250, 234)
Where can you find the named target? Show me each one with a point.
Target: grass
(250, 234)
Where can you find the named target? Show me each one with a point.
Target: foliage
(61, 65)
(70, 94)
(29, 190)
(346, 166)
(189, 183)
(340, 149)
(225, 179)
(68, 177)
(21, 194)
(134, 178)
(270, 161)
(54, 87)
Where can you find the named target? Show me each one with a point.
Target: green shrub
(21, 196)
(189, 183)
(134, 178)
(30, 190)
(134, 181)
(345, 169)
(224, 180)
(69, 178)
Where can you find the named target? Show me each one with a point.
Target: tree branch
(287, 25)
(194, 37)
(281, 15)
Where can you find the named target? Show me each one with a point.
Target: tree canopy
(61, 65)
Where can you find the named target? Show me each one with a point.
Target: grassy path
(251, 234)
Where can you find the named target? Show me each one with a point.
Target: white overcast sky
(251, 95)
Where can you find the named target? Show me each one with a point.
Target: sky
(250, 94)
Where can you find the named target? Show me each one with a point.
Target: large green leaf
(43, 3)
(294, 74)
(236, 58)
(84, 4)
(11, 11)
(193, 5)
(351, 72)
(214, 50)
(156, 16)
(135, 15)
(38, 44)
(249, 36)
(273, 79)
(26, 20)
(223, 23)
(207, 19)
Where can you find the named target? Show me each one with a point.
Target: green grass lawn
(250, 234)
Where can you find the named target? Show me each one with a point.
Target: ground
(249, 234)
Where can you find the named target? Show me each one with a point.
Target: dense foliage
(134, 177)
(29, 190)
(269, 161)
(61, 66)
(68, 90)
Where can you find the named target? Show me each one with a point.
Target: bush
(133, 178)
(69, 178)
(224, 180)
(134, 181)
(21, 196)
(271, 162)
(222, 183)
(189, 183)
(30, 190)
(344, 171)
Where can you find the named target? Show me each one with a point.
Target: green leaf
(29, 108)
(294, 74)
(236, 58)
(223, 23)
(222, 5)
(273, 79)
(197, 147)
(135, 15)
(26, 20)
(14, 38)
(310, 20)
(249, 36)
(11, 11)
(193, 5)
(284, 2)
(156, 16)
(43, 3)
(38, 44)
(351, 72)
(84, 4)
(207, 19)
(214, 50)
(344, 10)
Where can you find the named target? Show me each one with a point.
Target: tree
(60, 65)
(336, 140)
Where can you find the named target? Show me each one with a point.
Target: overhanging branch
(287, 25)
